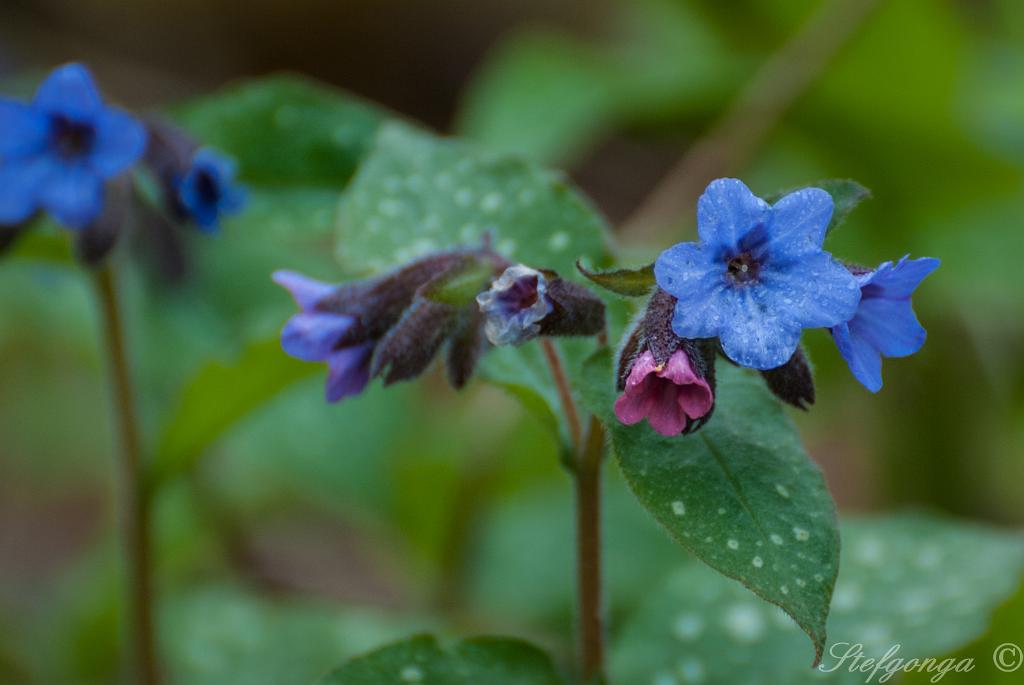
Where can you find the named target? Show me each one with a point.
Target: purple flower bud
(669, 395)
(666, 379)
(514, 306)
(316, 336)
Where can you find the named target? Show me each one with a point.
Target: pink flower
(668, 395)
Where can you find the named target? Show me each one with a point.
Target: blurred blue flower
(514, 306)
(884, 324)
(56, 152)
(313, 335)
(208, 191)
(758, 276)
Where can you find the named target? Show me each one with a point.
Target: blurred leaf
(908, 580)
(41, 241)
(550, 96)
(218, 396)
(490, 660)
(218, 635)
(286, 129)
(541, 95)
(629, 282)
(416, 193)
(743, 496)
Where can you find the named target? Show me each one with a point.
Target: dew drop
(733, 544)
(678, 508)
(412, 674)
(775, 538)
(801, 534)
(744, 622)
(781, 489)
(758, 562)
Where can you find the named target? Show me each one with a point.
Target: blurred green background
(310, 533)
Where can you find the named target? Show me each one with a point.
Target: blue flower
(758, 276)
(884, 324)
(56, 152)
(208, 191)
(514, 306)
(315, 335)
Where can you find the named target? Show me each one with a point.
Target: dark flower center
(207, 188)
(522, 295)
(743, 268)
(72, 138)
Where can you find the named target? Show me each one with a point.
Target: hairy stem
(134, 499)
(572, 417)
(752, 115)
(586, 471)
(588, 553)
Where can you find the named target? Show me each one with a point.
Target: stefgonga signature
(851, 657)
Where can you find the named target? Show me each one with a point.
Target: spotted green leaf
(925, 584)
(417, 193)
(286, 129)
(743, 496)
(494, 661)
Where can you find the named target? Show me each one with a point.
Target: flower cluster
(756, 279)
(68, 153)
(394, 325)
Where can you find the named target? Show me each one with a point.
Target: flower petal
(664, 414)
(70, 90)
(890, 326)
(727, 211)
(799, 221)
(634, 404)
(694, 394)
(348, 372)
(120, 142)
(312, 337)
(73, 194)
(686, 266)
(20, 182)
(811, 291)
(754, 335)
(23, 130)
(304, 290)
(864, 360)
(899, 280)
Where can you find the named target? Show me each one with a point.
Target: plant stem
(572, 417)
(134, 499)
(588, 553)
(586, 472)
(753, 114)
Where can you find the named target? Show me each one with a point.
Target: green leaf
(743, 496)
(846, 195)
(541, 95)
(927, 584)
(416, 193)
(221, 634)
(494, 661)
(217, 397)
(286, 129)
(629, 282)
